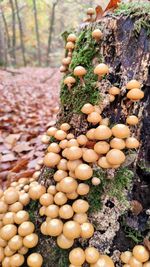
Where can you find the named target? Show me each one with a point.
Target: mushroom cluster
(135, 93)
(78, 257)
(17, 234)
(70, 45)
(139, 257)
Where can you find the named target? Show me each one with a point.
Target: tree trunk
(125, 48)
(37, 32)
(13, 31)
(2, 45)
(51, 28)
(21, 33)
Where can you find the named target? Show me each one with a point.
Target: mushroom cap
(111, 98)
(83, 189)
(121, 131)
(51, 131)
(52, 211)
(60, 198)
(101, 69)
(21, 216)
(26, 228)
(90, 155)
(54, 227)
(101, 147)
(126, 256)
(77, 256)
(74, 153)
(97, 34)
(103, 163)
(134, 262)
(102, 132)
(54, 147)
(46, 199)
(62, 69)
(60, 135)
(133, 84)
(80, 218)
(17, 260)
(35, 260)
(72, 164)
(30, 241)
(35, 192)
(8, 231)
(66, 61)
(70, 45)
(104, 261)
(79, 71)
(115, 157)
(90, 134)
(91, 255)
(80, 206)
(90, 11)
(82, 140)
(59, 175)
(11, 196)
(83, 172)
(132, 142)
(117, 143)
(87, 108)
(132, 120)
(135, 94)
(96, 181)
(65, 126)
(51, 159)
(71, 37)
(15, 243)
(66, 212)
(71, 230)
(141, 253)
(94, 117)
(68, 185)
(87, 230)
(114, 91)
(69, 80)
(63, 242)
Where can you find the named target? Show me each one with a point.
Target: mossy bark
(128, 56)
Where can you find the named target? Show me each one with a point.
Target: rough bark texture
(116, 227)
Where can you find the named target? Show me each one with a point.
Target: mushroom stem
(82, 81)
(69, 87)
(91, 17)
(99, 78)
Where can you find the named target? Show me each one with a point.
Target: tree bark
(37, 32)
(13, 31)
(117, 227)
(51, 28)
(21, 33)
(2, 44)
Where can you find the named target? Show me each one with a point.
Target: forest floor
(28, 106)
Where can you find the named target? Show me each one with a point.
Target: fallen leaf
(136, 207)
(112, 4)
(11, 138)
(19, 165)
(99, 12)
(8, 157)
(23, 146)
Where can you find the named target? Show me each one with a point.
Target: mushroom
(114, 91)
(115, 157)
(83, 172)
(43, 227)
(17, 260)
(132, 142)
(121, 131)
(90, 134)
(70, 46)
(62, 165)
(63, 242)
(105, 261)
(71, 230)
(74, 153)
(52, 190)
(51, 159)
(21, 216)
(132, 120)
(54, 227)
(101, 147)
(87, 108)
(141, 253)
(51, 131)
(46, 199)
(59, 175)
(69, 81)
(126, 256)
(102, 132)
(82, 140)
(60, 135)
(35, 260)
(11, 196)
(26, 228)
(133, 84)
(35, 192)
(71, 38)
(117, 143)
(133, 262)
(52, 211)
(60, 198)
(65, 127)
(91, 255)
(135, 94)
(68, 185)
(90, 13)
(15, 243)
(66, 212)
(8, 231)
(87, 230)
(80, 218)
(90, 156)
(83, 189)
(72, 142)
(103, 163)
(66, 61)
(62, 68)
(79, 71)
(96, 181)
(72, 164)
(94, 117)
(101, 70)
(97, 35)
(80, 206)
(54, 147)
(30, 241)
(111, 98)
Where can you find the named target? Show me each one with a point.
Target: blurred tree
(13, 31)
(37, 31)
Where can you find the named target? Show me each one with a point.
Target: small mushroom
(71, 230)
(101, 70)
(91, 255)
(90, 13)
(135, 94)
(70, 46)
(63, 242)
(97, 34)
(141, 253)
(133, 84)
(62, 69)
(80, 71)
(35, 260)
(69, 81)
(66, 61)
(87, 230)
(114, 91)
(71, 38)
(132, 120)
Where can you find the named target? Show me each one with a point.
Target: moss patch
(140, 11)
(86, 50)
(32, 208)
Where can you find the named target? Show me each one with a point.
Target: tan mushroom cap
(71, 37)
(132, 142)
(90, 155)
(54, 147)
(80, 71)
(30, 241)
(97, 34)
(102, 132)
(114, 91)
(94, 117)
(59, 175)
(11, 196)
(141, 253)
(132, 120)
(65, 126)
(83, 189)
(80, 218)
(117, 143)
(87, 108)
(35, 192)
(133, 84)
(66, 212)
(17, 260)
(115, 157)
(54, 227)
(87, 230)
(60, 198)
(101, 69)
(126, 256)
(26, 228)
(135, 94)
(8, 218)
(51, 159)
(103, 163)
(104, 261)
(80, 206)
(8, 231)
(63, 242)
(121, 131)
(34, 260)
(72, 164)
(62, 69)
(71, 230)
(83, 172)
(15, 243)
(69, 80)
(3, 206)
(66, 60)
(21, 216)
(77, 256)
(70, 46)
(133, 262)
(90, 11)
(96, 181)
(74, 153)
(101, 147)
(91, 134)
(68, 185)
(91, 255)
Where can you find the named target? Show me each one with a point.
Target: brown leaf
(23, 146)
(147, 243)
(99, 12)
(8, 157)
(11, 138)
(136, 207)
(19, 165)
(112, 4)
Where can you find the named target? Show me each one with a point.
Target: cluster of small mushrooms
(62, 205)
(139, 257)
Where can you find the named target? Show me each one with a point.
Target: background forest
(30, 30)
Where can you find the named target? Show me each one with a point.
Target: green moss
(86, 50)
(135, 235)
(59, 256)
(140, 11)
(31, 208)
(121, 181)
(94, 196)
